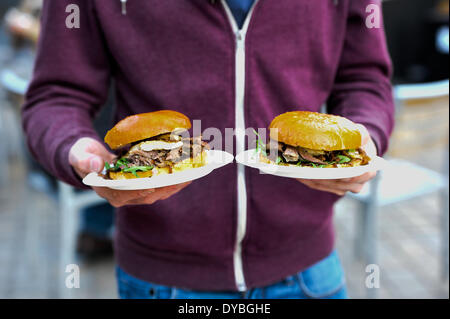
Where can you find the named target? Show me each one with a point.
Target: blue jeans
(324, 279)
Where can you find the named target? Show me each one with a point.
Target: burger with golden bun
(310, 139)
(151, 144)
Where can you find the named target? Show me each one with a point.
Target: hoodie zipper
(240, 140)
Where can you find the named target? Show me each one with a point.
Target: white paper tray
(215, 160)
(251, 158)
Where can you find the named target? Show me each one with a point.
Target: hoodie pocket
(324, 279)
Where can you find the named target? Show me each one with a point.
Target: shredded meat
(175, 155)
(138, 160)
(291, 154)
(196, 150)
(308, 157)
(162, 163)
(192, 147)
(334, 157)
(168, 137)
(274, 149)
(141, 158)
(196, 140)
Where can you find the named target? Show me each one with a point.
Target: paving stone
(408, 248)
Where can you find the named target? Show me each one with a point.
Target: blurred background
(399, 222)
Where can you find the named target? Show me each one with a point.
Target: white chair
(4, 172)
(9, 121)
(401, 181)
(70, 201)
(70, 204)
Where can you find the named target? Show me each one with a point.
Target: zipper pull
(124, 6)
(239, 39)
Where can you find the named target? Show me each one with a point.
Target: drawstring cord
(124, 6)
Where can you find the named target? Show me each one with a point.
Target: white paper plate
(251, 158)
(215, 159)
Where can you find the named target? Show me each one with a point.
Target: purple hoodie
(181, 54)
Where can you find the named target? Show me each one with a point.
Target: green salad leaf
(260, 146)
(343, 159)
(121, 162)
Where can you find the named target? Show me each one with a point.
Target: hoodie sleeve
(70, 83)
(362, 91)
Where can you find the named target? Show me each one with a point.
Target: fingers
(352, 187)
(141, 197)
(94, 147)
(84, 163)
(360, 179)
(159, 194)
(322, 187)
(120, 198)
(88, 155)
(365, 136)
(335, 186)
(367, 143)
(166, 192)
(340, 186)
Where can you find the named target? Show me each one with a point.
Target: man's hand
(354, 184)
(88, 155)
(142, 197)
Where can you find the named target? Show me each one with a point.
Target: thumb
(365, 136)
(88, 155)
(366, 141)
(93, 163)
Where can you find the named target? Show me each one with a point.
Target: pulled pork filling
(284, 154)
(160, 151)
